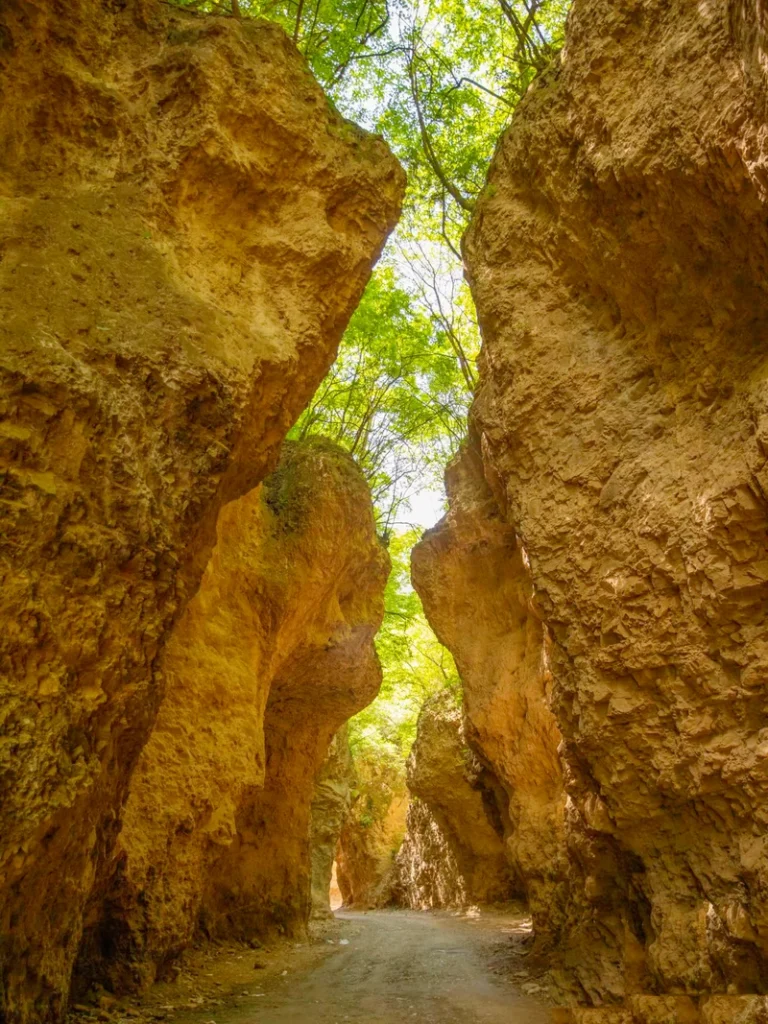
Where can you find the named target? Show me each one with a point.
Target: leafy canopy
(393, 397)
(439, 79)
(415, 667)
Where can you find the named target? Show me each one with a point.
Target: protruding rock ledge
(472, 578)
(617, 259)
(186, 228)
(272, 655)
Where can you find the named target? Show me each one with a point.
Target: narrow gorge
(249, 770)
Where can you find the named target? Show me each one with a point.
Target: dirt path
(390, 968)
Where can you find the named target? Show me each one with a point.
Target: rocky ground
(377, 967)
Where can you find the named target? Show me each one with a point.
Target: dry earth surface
(379, 968)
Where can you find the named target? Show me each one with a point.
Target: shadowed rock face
(330, 810)
(372, 834)
(618, 261)
(271, 656)
(186, 229)
(262, 883)
(453, 852)
(426, 874)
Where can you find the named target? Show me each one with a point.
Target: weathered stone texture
(331, 806)
(372, 834)
(454, 854)
(216, 827)
(618, 260)
(470, 574)
(426, 875)
(186, 227)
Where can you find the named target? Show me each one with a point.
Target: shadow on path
(398, 966)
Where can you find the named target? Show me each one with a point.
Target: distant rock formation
(372, 834)
(331, 805)
(453, 853)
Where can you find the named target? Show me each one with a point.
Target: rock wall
(331, 805)
(454, 850)
(186, 228)
(426, 875)
(617, 259)
(271, 656)
(262, 883)
(372, 834)
(470, 574)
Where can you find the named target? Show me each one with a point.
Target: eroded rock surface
(372, 834)
(454, 848)
(270, 658)
(426, 875)
(618, 263)
(186, 229)
(331, 805)
(472, 579)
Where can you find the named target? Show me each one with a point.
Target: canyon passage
(384, 511)
(397, 966)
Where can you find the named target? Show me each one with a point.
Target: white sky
(426, 507)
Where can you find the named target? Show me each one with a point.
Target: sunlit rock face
(618, 261)
(270, 658)
(453, 854)
(186, 228)
(473, 580)
(372, 834)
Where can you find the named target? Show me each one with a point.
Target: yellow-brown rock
(470, 574)
(185, 228)
(270, 658)
(618, 263)
(331, 806)
(372, 834)
(426, 875)
(454, 853)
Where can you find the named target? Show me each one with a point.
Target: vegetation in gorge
(415, 666)
(438, 80)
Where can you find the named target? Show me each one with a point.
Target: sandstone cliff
(372, 834)
(331, 806)
(186, 228)
(454, 847)
(426, 875)
(618, 263)
(270, 658)
(470, 574)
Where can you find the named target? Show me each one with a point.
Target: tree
(393, 398)
(333, 35)
(439, 79)
(415, 667)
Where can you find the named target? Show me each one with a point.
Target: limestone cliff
(372, 833)
(331, 805)
(186, 227)
(454, 847)
(618, 259)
